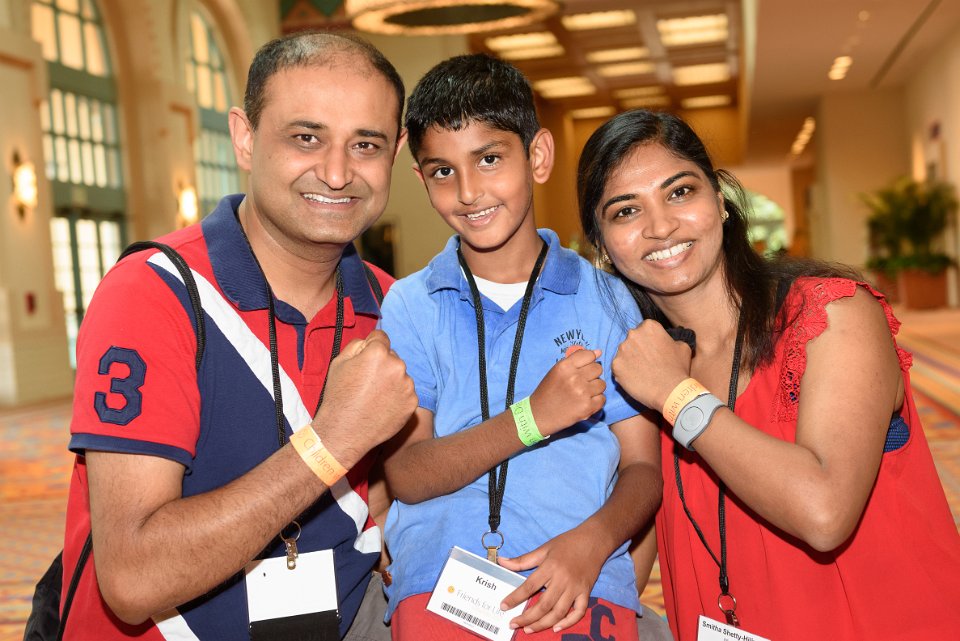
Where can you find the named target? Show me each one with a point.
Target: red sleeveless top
(897, 577)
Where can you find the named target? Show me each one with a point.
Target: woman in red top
(813, 510)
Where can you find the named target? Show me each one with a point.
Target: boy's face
(480, 180)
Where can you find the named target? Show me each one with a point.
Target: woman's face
(660, 222)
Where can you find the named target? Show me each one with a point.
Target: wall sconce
(24, 185)
(188, 205)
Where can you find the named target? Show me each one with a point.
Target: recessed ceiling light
(803, 136)
(701, 74)
(521, 41)
(592, 112)
(564, 87)
(651, 101)
(599, 20)
(676, 32)
(700, 102)
(626, 69)
(531, 53)
(638, 92)
(617, 55)
(838, 71)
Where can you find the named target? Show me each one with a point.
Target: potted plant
(906, 225)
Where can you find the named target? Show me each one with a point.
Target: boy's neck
(511, 262)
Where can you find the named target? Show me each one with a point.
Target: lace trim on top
(806, 308)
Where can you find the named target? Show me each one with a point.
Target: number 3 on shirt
(128, 387)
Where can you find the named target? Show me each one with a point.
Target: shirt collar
(240, 278)
(560, 274)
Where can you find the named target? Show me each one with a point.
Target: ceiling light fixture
(592, 112)
(651, 101)
(803, 136)
(438, 17)
(625, 54)
(840, 67)
(626, 69)
(677, 32)
(564, 87)
(702, 102)
(599, 20)
(525, 46)
(701, 74)
(188, 204)
(637, 92)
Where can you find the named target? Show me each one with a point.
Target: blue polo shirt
(138, 392)
(551, 487)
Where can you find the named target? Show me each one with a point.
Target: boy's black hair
(472, 88)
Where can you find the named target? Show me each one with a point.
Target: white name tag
(469, 592)
(710, 630)
(273, 591)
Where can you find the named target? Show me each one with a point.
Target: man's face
(321, 156)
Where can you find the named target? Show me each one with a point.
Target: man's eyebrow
(319, 126)
(482, 150)
(372, 133)
(307, 124)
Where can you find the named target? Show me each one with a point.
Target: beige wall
(421, 233)
(933, 98)
(33, 345)
(861, 146)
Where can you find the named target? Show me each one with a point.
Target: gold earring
(724, 214)
(602, 257)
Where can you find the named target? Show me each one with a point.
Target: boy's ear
(241, 134)
(541, 155)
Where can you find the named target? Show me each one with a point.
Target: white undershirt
(503, 294)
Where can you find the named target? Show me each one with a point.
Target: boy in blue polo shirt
(521, 381)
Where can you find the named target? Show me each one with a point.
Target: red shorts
(603, 620)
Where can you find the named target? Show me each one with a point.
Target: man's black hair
(311, 48)
(472, 88)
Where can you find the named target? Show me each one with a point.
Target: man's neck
(301, 277)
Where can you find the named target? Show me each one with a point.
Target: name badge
(281, 600)
(710, 630)
(469, 593)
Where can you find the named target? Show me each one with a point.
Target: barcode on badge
(466, 616)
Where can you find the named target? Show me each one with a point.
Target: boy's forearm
(437, 466)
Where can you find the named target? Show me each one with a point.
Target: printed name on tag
(469, 592)
(273, 591)
(710, 630)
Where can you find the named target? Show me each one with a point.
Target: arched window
(206, 78)
(82, 151)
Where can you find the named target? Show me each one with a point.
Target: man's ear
(401, 141)
(541, 155)
(241, 134)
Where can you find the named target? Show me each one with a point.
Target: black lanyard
(497, 477)
(725, 598)
(274, 351)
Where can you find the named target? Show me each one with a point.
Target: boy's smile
(480, 180)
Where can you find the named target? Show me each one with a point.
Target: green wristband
(527, 428)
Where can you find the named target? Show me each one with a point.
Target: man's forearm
(187, 546)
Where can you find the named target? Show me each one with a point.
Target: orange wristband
(682, 394)
(310, 448)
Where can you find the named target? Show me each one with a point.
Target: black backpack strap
(194, 294)
(374, 283)
(74, 582)
(188, 280)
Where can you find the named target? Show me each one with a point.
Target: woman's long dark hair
(751, 280)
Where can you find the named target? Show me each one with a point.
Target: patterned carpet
(35, 465)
